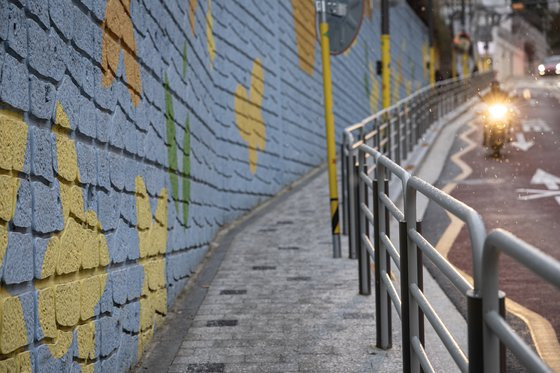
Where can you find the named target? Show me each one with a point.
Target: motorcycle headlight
(497, 112)
(558, 68)
(541, 68)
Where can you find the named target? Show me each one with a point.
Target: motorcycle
(497, 126)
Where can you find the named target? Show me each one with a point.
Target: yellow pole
(432, 66)
(466, 70)
(330, 134)
(385, 72)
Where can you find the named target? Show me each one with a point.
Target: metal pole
(431, 42)
(453, 58)
(385, 54)
(329, 128)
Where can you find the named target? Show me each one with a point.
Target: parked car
(550, 66)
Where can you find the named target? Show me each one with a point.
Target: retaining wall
(130, 131)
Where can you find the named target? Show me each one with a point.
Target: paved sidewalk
(281, 303)
(271, 298)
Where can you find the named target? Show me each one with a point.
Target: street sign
(344, 18)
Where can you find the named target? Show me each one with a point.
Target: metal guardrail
(486, 324)
(395, 131)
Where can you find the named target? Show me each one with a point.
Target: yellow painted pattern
(248, 114)
(152, 240)
(211, 43)
(374, 90)
(306, 34)
(13, 144)
(118, 34)
(192, 11)
(73, 276)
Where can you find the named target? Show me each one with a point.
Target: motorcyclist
(495, 96)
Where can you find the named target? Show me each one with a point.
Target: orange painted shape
(118, 34)
(306, 34)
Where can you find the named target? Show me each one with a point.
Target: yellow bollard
(330, 134)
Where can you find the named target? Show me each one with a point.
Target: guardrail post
(420, 283)
(344, 199)
(474, 330)
(354, 213)
(405, 322)
(502, 310)
(364, 273)
(397, 122)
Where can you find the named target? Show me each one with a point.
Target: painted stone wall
(131, 130)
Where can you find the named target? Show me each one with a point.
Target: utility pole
(329, 127)
(385, 55)
(431, 42)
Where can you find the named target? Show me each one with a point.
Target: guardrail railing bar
(443, 264)
(541, 264)
(391, 249)
(446, 337)
(422, 357)
(391, 291)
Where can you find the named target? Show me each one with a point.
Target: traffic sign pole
(385, 55)
(329, 121)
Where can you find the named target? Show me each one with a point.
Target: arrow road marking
(535, 125)
(551, 182)
(522, 143)
(537, 193)
(542, 177)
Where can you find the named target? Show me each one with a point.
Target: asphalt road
(520, 192)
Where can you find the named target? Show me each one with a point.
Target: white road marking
(522, 143)
(535, 125)
(551, 182)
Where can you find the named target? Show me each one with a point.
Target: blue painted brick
(131, 171)
(104, 96)
(133, 252)
(88, 80)
(103, 178)
(130, 317)
(102, 129)
(119, 280)
(116, 129)
(42, 98)
(75, 64)
(83, 35)
(14, 83)
(128, 208)
(117, 164)
(18, 263)
(22, 216)
(110, 335)
(47, 52)
(27, 301)
(48, 363)
(86, 163)
(13, 28)
(40, 248)
(47, 209)
(62, 15)
(135, 280)
(127, 352)
(108, 209)
(68, 95)
(119, 248)
(98, 9)
(41, 148)
(106, 302)
(110, 364)
(40, 9)
(88, 116)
